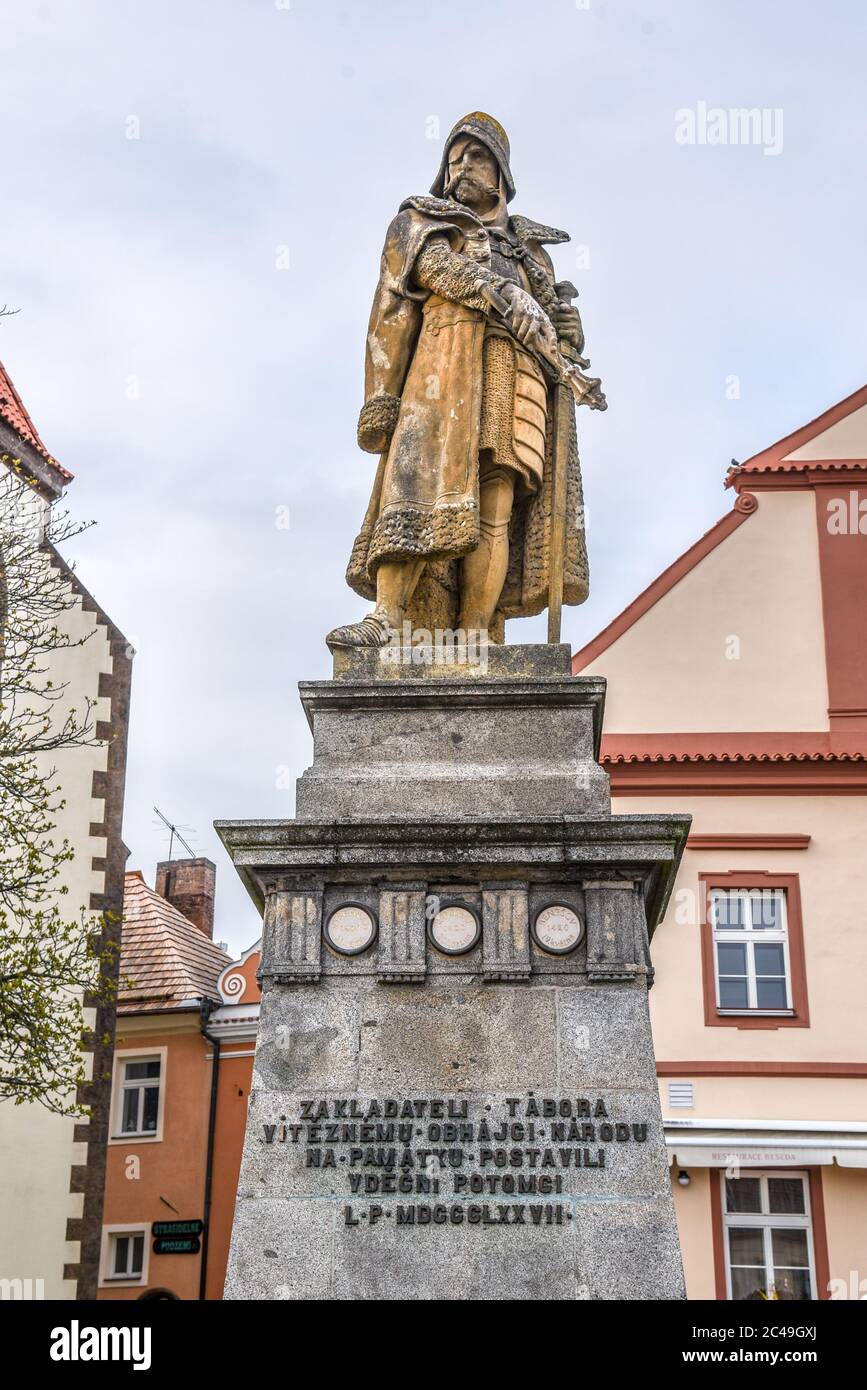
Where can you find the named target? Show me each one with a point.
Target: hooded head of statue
(482, 127)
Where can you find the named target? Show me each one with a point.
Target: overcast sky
(163, 161)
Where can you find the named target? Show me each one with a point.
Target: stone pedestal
(429, 1125)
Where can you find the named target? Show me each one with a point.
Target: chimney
(188, 884)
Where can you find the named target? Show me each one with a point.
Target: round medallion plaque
(455, 929)
(557, 929)
(350, 929)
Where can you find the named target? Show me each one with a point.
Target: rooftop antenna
(174, 831)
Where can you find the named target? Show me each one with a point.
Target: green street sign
(177, 1228)
(177, 1245)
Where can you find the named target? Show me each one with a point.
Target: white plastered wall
(37, 1149)
(832, 873)
(845, 440)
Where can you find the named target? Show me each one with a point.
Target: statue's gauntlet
(453, 275)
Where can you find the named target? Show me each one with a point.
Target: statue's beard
(473, 192)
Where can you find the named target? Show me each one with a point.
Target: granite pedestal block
(509, 734)
(426, 1124)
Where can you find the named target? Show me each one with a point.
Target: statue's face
(473, 174)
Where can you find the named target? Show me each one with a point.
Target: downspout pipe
(208, 1006)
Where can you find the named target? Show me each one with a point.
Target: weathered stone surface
(552, 850)
(518, 740)
(605, 1038)
(506, 939)
(292, 935)
(474, 1038)
(281, 1250)
(456, 1263)
(401, 947)
(299, 1250)
(308, 1040)
(629, 1249)
(617, 946)
(514, 661)
(458, 1127)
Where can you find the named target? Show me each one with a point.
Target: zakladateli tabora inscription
(455, 1148)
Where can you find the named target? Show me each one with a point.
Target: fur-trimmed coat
(423, 393)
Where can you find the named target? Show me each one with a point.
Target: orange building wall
(233, 1092)
(174, 1167)
(170, 1168)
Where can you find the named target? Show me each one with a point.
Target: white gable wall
(738, 644)
(845, 440)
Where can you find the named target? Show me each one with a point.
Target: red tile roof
(775, 459)
(15, 413)
(167, 960)
(678, 763)
(820, 756)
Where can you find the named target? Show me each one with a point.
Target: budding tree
(50, 959)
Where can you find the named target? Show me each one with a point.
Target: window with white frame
(126, 1250)
(768, 1236)
(138, 1101)
(751, 950)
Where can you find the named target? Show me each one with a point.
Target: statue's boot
(372, 631)
(395, 583)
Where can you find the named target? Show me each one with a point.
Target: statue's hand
(567, 322)
(529, 322)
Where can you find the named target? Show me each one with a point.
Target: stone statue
(453, 836)
(472, 369)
